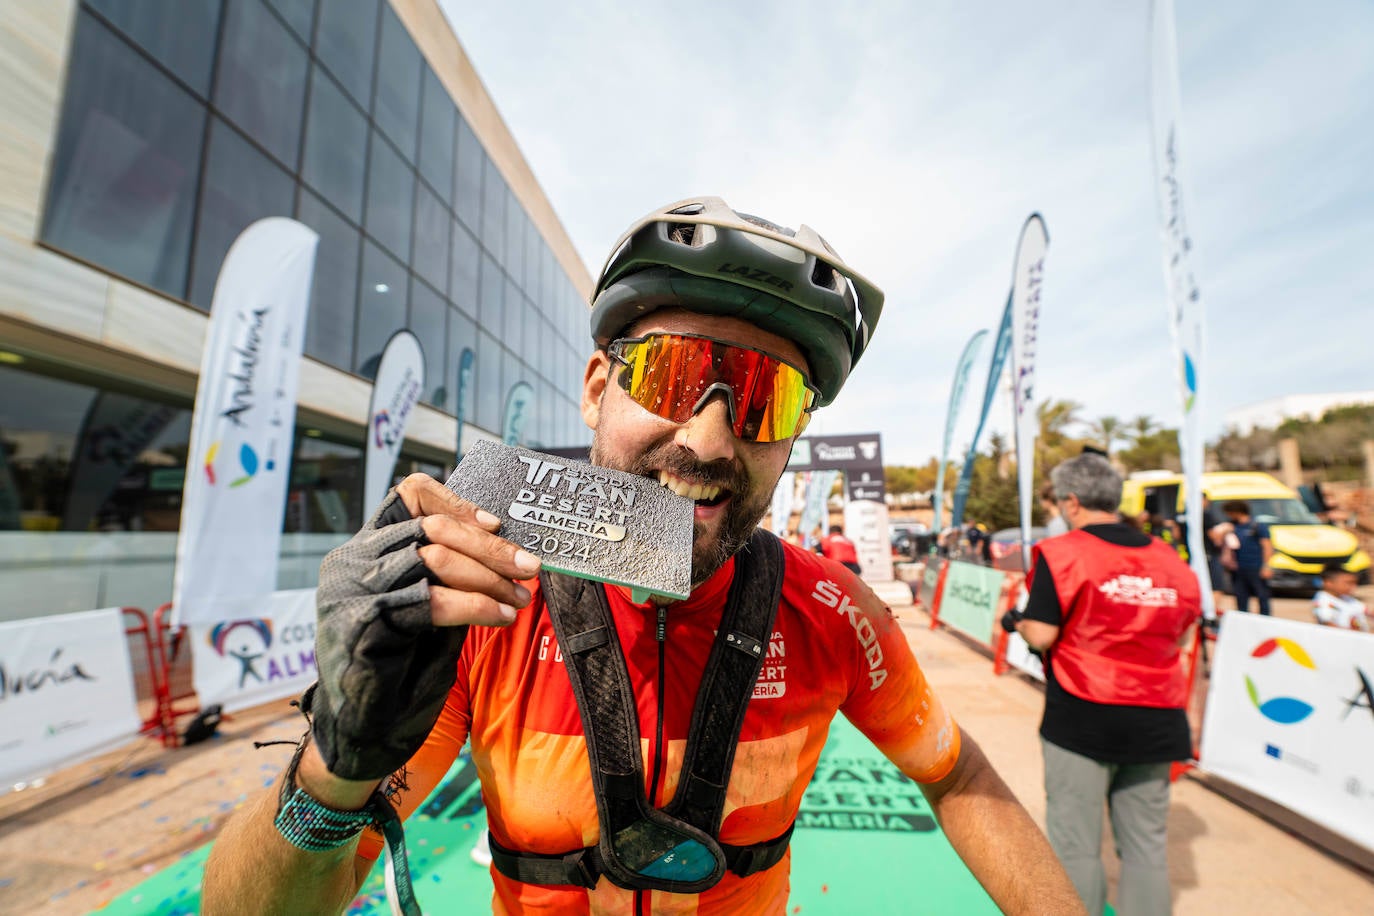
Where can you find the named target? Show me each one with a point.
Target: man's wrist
(313, 777)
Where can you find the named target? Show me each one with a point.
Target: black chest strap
(582, 620)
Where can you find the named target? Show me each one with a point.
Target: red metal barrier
(1011, 584)
(147, 670)
(938, 595)
(176, 685)
(1191, 666)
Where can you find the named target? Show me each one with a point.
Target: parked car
(1006, 547)
(910, 540)
(1303, 544)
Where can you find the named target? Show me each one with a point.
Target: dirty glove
(384, 668)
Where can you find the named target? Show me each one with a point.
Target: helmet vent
(683, 234)
(824, 276)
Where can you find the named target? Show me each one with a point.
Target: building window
(463, 269)
(346, 43)
(493, 211)
(436, 136)
(490, 356)
(127, 162)
(431, 244)
(261, 81)
(241, 186)
(298, 15)
(335, 157)
(396, 109)
(184, 43)
(326, 486)
(390, 198)
(382, 296)
(329, 327)
(428, 312)
(462, 336)
(469, 162)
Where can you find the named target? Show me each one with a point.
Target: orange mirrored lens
(667, 375)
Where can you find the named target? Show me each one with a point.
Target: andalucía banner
(1184, 301)
(234, 497)
(1025, 295)
(956, 402)
(400, 379)
(999, 360)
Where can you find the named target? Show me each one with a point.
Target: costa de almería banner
(1026, 287)
(66, 691)
(396, 391)
(253, 660)
(241, 431)
(1290, 716)
(1184, 300)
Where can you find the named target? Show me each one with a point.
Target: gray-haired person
(1109, 608)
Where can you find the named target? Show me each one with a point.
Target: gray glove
(384, 668)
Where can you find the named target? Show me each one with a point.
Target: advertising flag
(1025, 295)
(1184, 299)
(999, 359)
(464, 392)
(956, 401)
(519, 407)
(395, 392)
(234, 495)
(117, 428)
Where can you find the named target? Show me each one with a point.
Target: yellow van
(1302, 544)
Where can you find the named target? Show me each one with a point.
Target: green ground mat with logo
(865, 842)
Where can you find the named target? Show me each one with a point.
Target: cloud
(917, 137)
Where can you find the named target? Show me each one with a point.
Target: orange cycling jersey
(834, 647)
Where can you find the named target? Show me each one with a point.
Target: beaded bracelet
(306, 824)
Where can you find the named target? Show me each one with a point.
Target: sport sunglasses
(673, 376)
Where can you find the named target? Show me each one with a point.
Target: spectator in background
(1054, 519)
(841, 549)
(1250, 557)
(1109, 608)
(1335, 605)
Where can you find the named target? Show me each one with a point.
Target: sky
(917, 138)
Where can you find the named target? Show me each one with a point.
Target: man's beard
(742, 516)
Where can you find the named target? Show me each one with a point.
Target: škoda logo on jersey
(829, 594)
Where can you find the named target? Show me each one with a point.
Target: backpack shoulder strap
(728, 682)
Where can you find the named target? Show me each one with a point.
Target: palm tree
(1141, 428)
(1055, 417)
(1106, 430)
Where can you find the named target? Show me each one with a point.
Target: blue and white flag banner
(1290, 716)
(234, 496)
(956, 402)
(783, 497)
(66, 691)
(1184, 301)
(395, 392)
(995, 366)
(1027, 282)
(815, 511)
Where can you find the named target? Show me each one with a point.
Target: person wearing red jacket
(1109, 608)
(841, 549)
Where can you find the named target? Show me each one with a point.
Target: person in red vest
(841, 549)
(1109, 609)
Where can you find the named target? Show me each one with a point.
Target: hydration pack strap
(582, 620)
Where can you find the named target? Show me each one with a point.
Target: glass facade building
(168, 129)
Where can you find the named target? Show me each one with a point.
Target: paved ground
(95, 830)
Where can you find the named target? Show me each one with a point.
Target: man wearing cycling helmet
(717, 335)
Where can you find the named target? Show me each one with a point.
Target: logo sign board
(66, 691)
(970, 601)
(584, 520)
(1290, 715)
(242, 663)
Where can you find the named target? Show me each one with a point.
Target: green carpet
(865, 843)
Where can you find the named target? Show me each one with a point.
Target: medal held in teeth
(584, 520)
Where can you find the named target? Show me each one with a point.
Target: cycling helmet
(701, 255)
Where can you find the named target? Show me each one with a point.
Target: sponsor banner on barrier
(1290, 715)
(66, 691)
(241, 663)
(971, 599)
